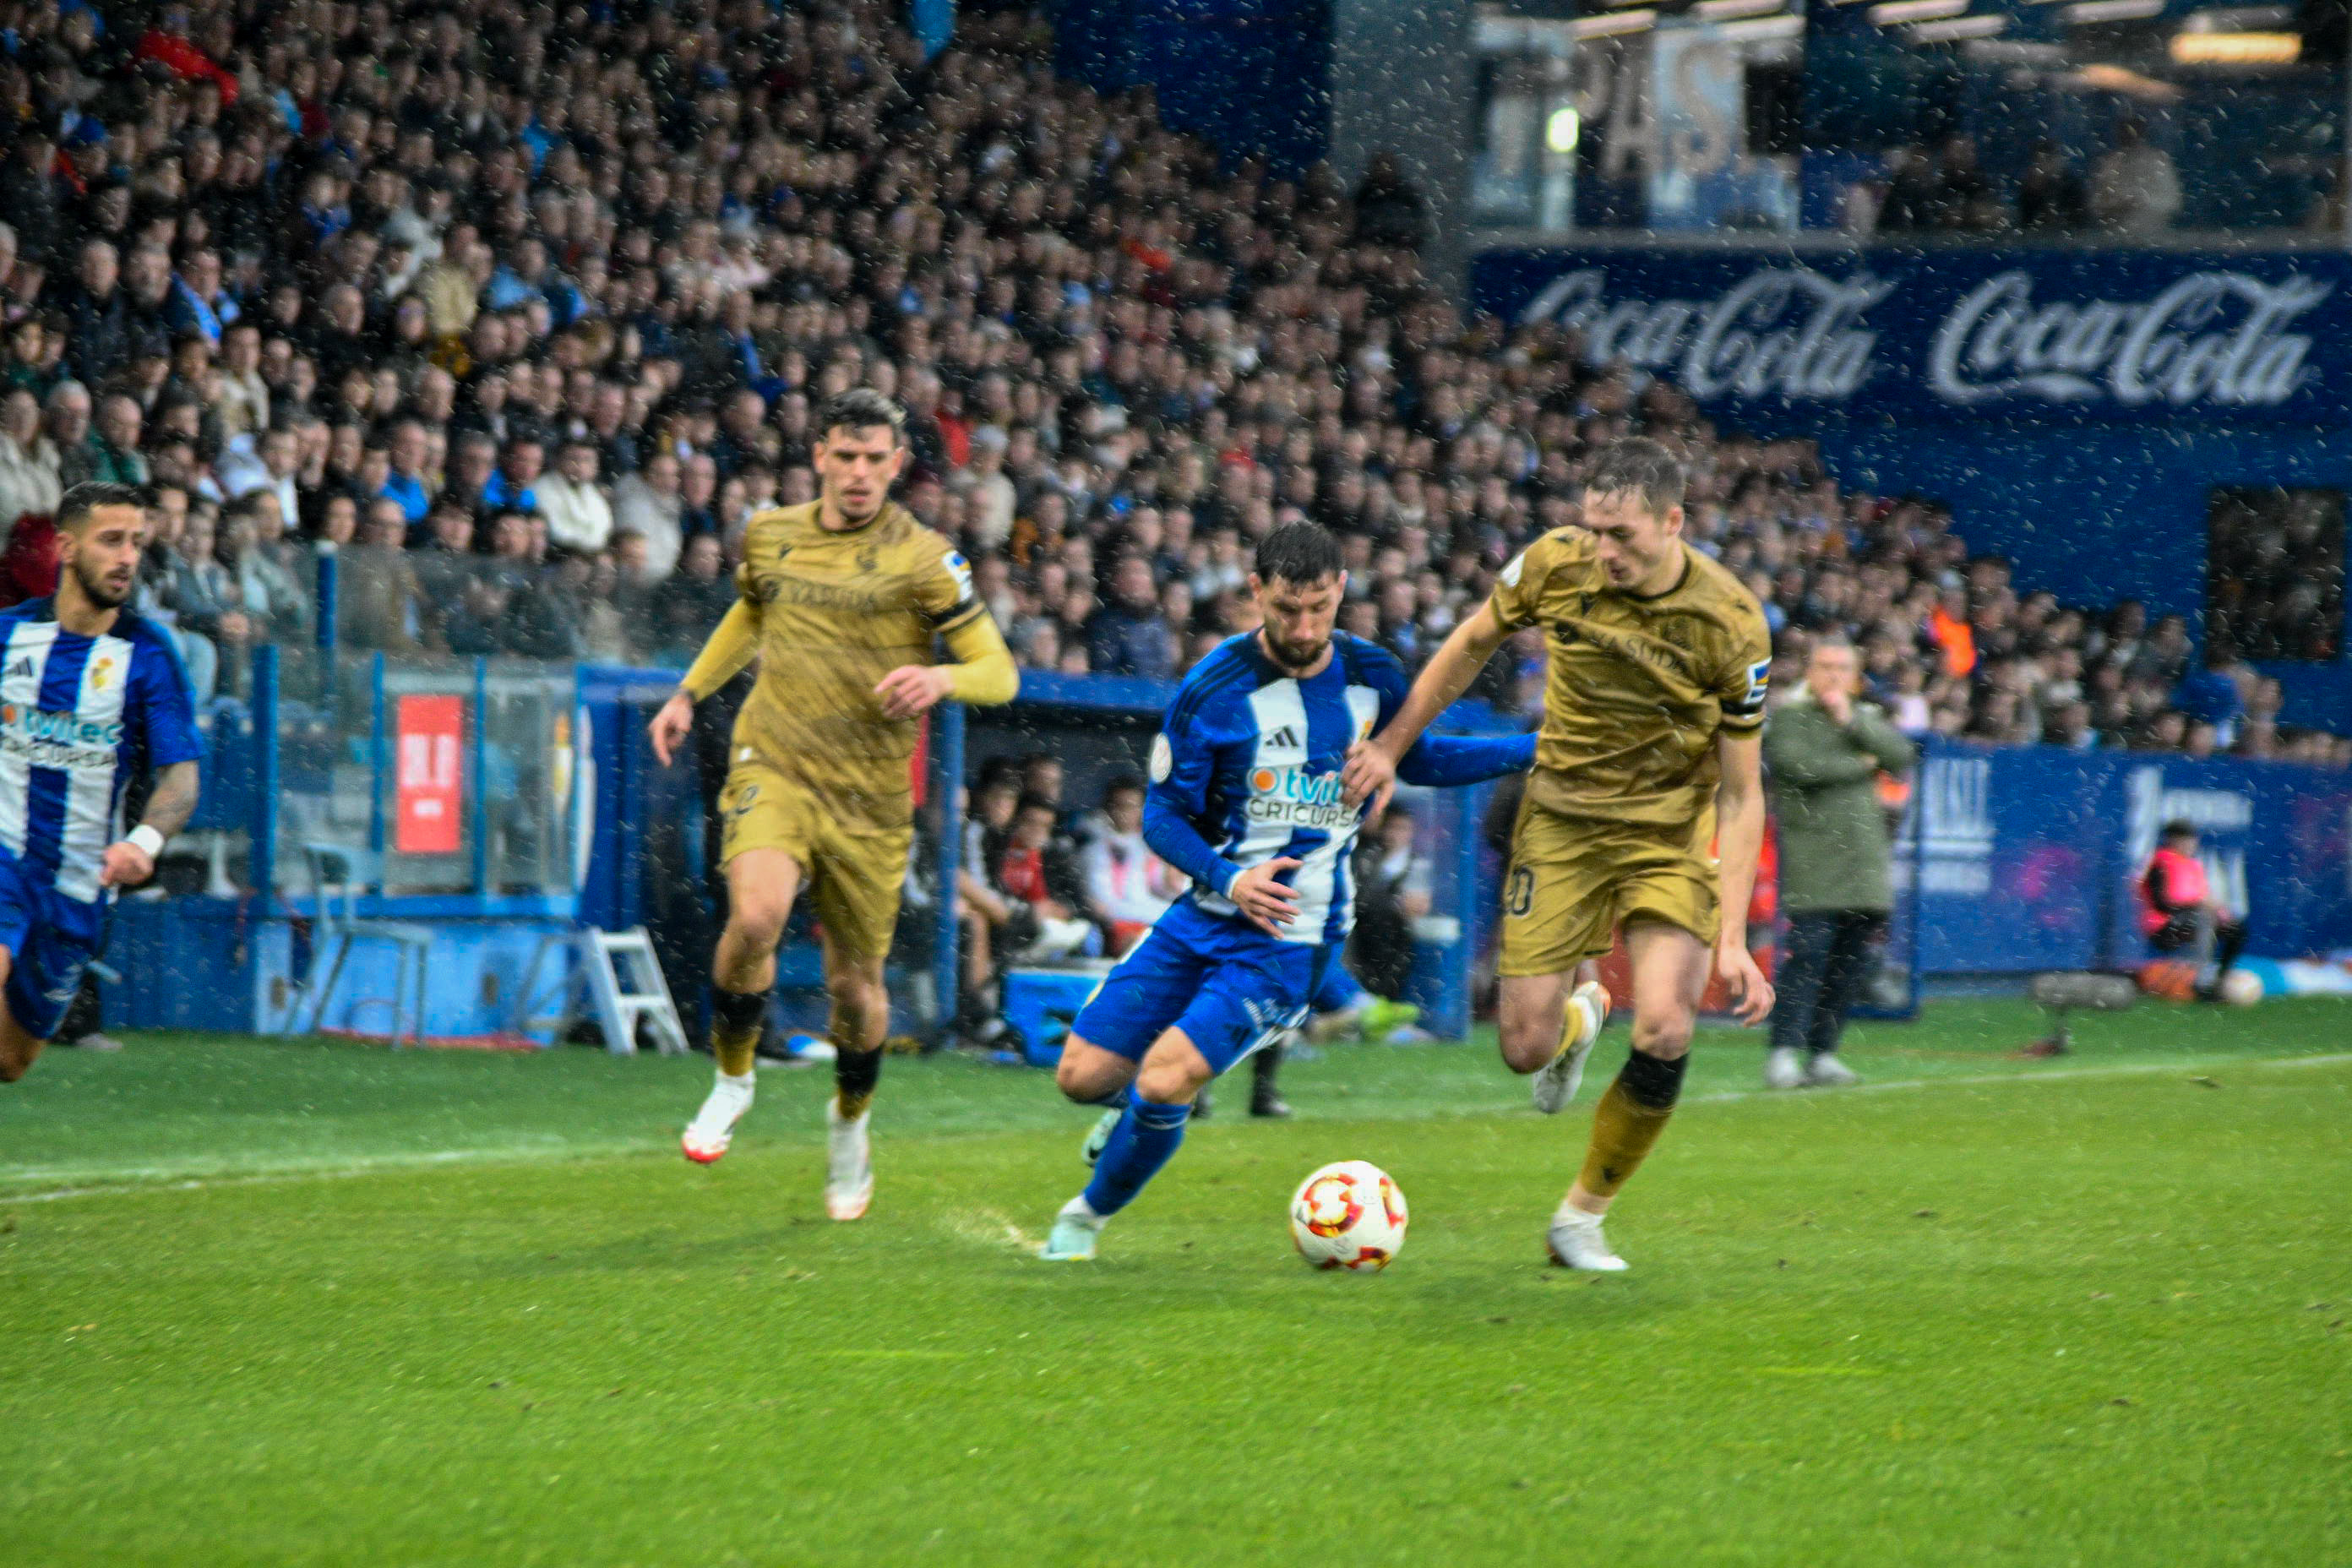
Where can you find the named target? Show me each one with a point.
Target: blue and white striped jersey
(80, 717)
(1246, 769)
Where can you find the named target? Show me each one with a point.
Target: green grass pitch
(291, 1303)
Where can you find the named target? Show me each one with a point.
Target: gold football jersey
(1638, 687)
(837, 613)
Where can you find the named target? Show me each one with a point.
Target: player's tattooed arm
(173, 800)
(131, 861)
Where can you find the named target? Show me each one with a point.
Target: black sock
(855, 1074)
(1653, 1081)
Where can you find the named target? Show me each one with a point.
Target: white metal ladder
(604, 960)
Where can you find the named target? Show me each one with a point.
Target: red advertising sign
(429, 770)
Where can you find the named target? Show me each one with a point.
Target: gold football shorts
(853, 855)
(1574, 880)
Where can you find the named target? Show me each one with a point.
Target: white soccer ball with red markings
(1348, 1215)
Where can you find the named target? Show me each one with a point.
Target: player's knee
(1530, 1038)
(757, 925)
(1169, 1083)
(1665, 1036)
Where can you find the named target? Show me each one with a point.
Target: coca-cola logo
(2210, 338)
(1780, 332)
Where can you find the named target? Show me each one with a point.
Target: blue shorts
(1337, 991)
(1229, 988)
(50, 938)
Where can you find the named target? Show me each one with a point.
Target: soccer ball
(2240, 989)
(1347, 1214)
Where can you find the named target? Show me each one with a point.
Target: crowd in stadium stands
(521, 309)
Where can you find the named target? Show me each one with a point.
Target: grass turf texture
(453, 1308)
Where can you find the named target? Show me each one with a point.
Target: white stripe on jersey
(90, 795)
(1322, 881)
(1279, 713)
(23, 661)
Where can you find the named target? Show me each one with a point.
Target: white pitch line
(124, 1181)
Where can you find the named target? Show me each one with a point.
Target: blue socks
(1144, 1139)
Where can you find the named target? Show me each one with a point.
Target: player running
(1653, 715)
(1245, 800)
(91, 697)
(840, 600)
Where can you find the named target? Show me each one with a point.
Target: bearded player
(840, 600)
(1650, 751)
(91, 697)
(1245, 800)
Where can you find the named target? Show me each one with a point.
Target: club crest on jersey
(101, 671)
(1163, 759)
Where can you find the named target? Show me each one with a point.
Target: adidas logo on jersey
(21, 667)
(1284, 739)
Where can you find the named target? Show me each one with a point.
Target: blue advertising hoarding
(2023, 857)
(1907, 336)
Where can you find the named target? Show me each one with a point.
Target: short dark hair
(1637, 466)
(75, 507)
(1031, 800)
(861, 409)
(1122, 784)
(2179, 828)
(1298, 552)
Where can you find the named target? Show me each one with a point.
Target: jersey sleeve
(1518, 591)
(1176, 800)
(1747, 676)
(166, 711)
(944, 590)
(1439, 761)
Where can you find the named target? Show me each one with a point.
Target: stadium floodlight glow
(2085, 12)
(1563, 130)
(1729, 10)
(2235, 49)
(1892, 13)
(1612, 26)
(1958, 28)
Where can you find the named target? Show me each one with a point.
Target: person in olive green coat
(1825, 748)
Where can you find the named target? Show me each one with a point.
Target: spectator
(1826, 748)
(1130, 636)
(2050, 197)
(1127, 885)
(687, 607)
(203, 595)
(516, 482)
(1389, 212)
(2180, 913)
(114, 446)
(579, 518)
(2134, 188)
(31, 472)
(1034, 865)
(96, 318)
(375, 587)
(648, 503)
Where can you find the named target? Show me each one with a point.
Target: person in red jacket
(2178, 912)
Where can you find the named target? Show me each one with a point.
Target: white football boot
(1826, 1071)
(848, 1162)
(1555, 1082)
(1784, 1067)
(1075, 1231)
(1576, 1242)
(713, 1128)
